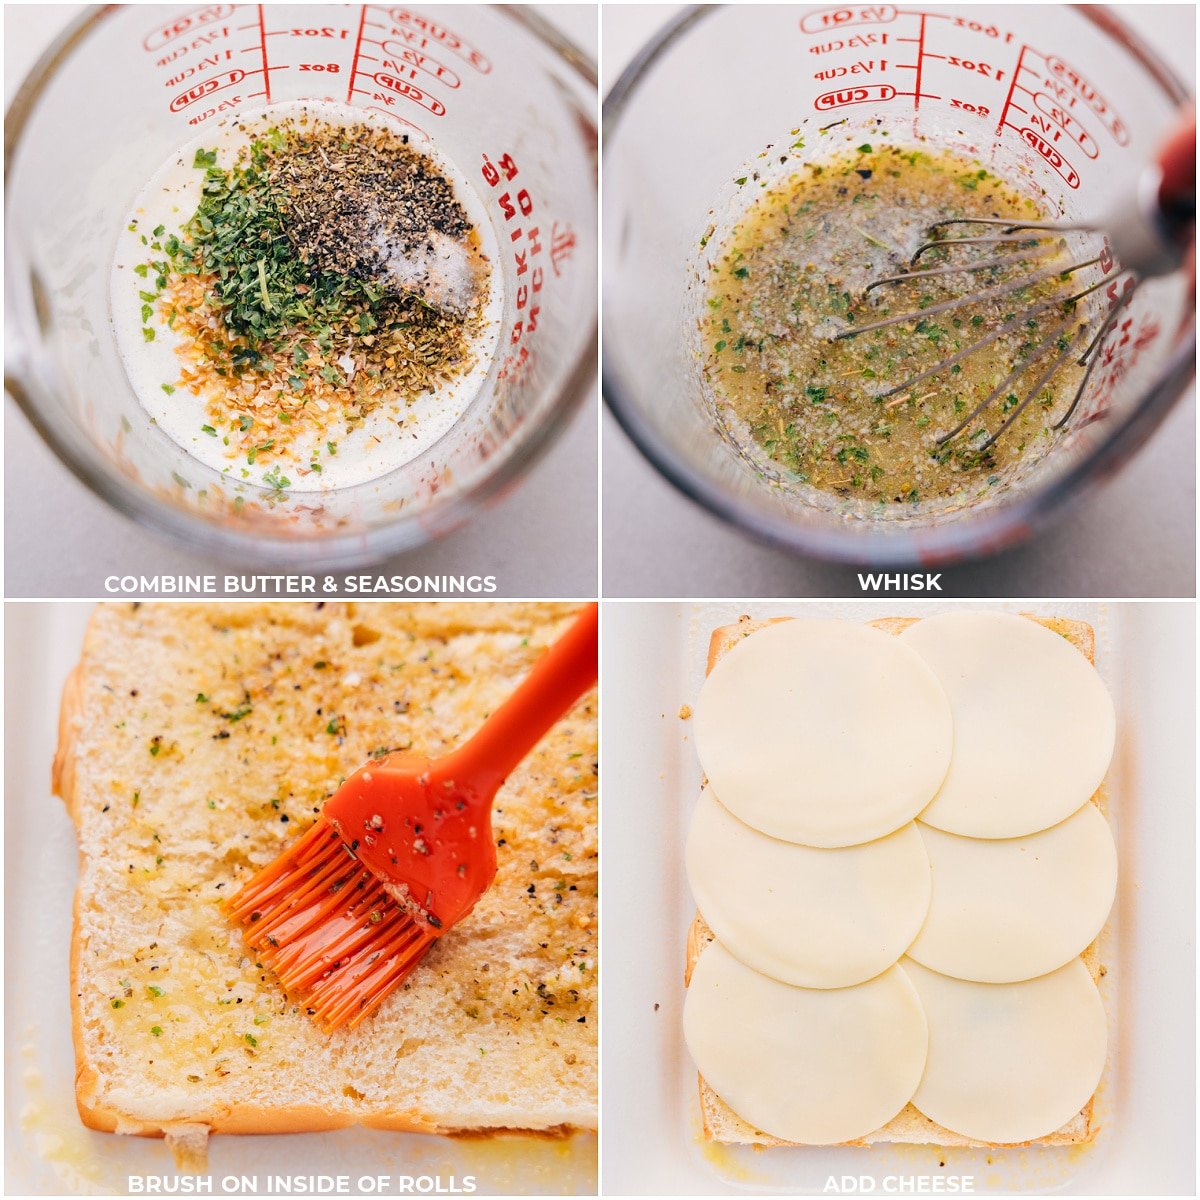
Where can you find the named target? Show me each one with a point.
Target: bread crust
(62, 771)
(720, 1122)
(63, 784)
(236, 1118)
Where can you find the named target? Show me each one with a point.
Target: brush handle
(557, 680)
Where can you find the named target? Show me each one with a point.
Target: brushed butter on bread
(196, 740)
(722, 1124)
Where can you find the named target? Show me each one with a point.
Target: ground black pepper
(352, 198)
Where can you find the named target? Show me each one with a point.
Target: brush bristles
(329, 929)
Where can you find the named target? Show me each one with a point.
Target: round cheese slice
(804, 1065)
(825, 733)
(1033, 723)
(1010, 1062)
(1004, 911)
(809, 917)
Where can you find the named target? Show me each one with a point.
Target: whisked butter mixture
(808, 408)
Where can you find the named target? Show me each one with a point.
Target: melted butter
(53, 1127)
(727, 1160)
(508, 1164)
(191, 998)
(807, 409)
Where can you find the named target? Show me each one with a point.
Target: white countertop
(1136, 536)
(538, 540)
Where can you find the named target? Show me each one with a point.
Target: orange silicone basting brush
(402, 851)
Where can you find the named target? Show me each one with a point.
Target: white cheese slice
(1008, 910)
(1010, 1062)
(1033, 723)
(825, 733)
(805, 1065)
(808, 917)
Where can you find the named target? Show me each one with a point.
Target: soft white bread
(721, 1123)
(196, 740)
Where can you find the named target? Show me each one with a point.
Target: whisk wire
(1008, 327)
(1004, 289)
(1006, 383)
(1091, 355)
(951, 243)
(999, 260)
(1023, 242)
(1011, 226)
(1037, 388)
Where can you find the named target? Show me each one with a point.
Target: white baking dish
(653, 663)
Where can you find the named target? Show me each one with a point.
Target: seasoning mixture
(323, 293)
(807, 408)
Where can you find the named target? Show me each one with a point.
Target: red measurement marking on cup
(1070, 126)
(1057, 103)
(1047, 102)
(424, 34)
(317, 51)
(200, 91)
(1032, 138)
(920, 65)
(854, 41)
(1045, 111)
(846, 17)
(867, 66)
(401, 54)
(401, 87)
(266, 70)
(1057, 111)
(358, 41)
(860, 95)
(1123, 348)
(532, 244)
(418, 64)
(188, 23)
(199, 60)
(849, 27)
(1077, 85)
(198, 68)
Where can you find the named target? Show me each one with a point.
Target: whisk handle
(1145, 237)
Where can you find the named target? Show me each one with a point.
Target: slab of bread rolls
(198, 740)
(903, 866)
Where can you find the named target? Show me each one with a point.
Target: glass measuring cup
(501, 95)
(1064, 98)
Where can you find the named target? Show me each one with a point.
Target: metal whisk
(1143, 239)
